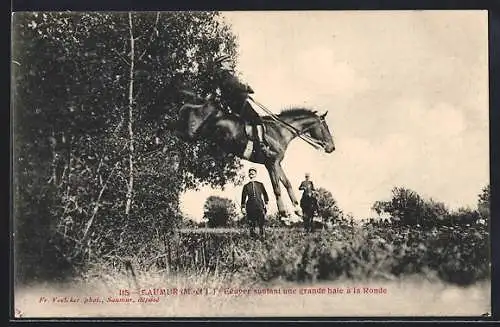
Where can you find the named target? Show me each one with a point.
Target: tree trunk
(130, 186)
(53, 143)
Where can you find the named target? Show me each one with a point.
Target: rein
(315, 143)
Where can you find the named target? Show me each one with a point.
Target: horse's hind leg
(273, 174)
(286, 182)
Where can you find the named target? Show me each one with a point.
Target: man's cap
(308, 175)
(252, 169)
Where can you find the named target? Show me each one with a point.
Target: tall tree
(406, 207)
(90, 90)
(130, 185)
(484, 204)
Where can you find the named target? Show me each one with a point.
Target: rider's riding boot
(263, 145)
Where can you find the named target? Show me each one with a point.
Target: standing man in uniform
(307, 186)
(254, 200)
(308, 202)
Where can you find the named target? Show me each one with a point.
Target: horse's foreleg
(276, 188)
(286, 182)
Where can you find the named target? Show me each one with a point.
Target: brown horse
(233, 136)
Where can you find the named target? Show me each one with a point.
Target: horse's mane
(296, 112)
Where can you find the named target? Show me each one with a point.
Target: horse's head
(320, 132)
(309, 125)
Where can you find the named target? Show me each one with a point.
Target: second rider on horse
(234, 97)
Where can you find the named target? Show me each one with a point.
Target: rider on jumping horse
(234, 98)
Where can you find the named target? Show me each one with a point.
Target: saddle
(252, 144)
(199, 117)
(251, 132)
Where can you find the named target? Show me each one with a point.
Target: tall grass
(458, 255)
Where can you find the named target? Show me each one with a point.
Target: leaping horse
(233, 135)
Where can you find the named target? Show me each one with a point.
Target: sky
(406, 94)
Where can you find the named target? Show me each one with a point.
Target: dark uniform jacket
(234, 93)
(308, 200)
(254, 196)
(232, 87)
(307, 187)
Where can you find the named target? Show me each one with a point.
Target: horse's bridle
(312, 141)
(320, 143)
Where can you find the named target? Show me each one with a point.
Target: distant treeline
(405, 208)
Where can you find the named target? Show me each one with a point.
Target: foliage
(483, 205)
(86, 109)
(373, 250)
(408, 208)
(274, 220)
(405, 207)
(455, 252)
(219, 211)
(454, 249)
(188, 223)
(462, 216)
(328, 209)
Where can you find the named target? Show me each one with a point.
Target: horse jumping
(233, 136)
